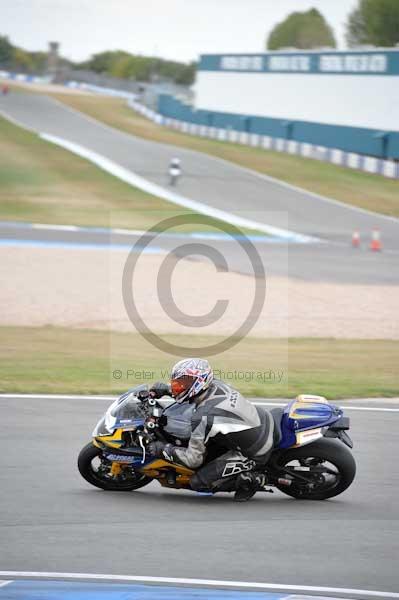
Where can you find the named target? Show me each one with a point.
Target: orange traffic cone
(375, 244)
(355, 239)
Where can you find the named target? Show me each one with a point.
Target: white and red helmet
(190, 377)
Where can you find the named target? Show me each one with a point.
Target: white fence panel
(222, 135)
(306, 149)
(389, 168)
(280, 144)
(254, 139)
(370, 164)
(352, 160)
(336, 156)
(292, 147)
(319, 152)
(266, 142)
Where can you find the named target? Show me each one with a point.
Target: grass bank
(41, 183)
(360, 189)
(57, 360)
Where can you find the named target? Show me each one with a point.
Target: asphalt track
(317, 262)
(52, 520)
(231, 188)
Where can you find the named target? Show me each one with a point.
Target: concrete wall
(355, 89)
(362, 140)
(344, 100)
(352, 100)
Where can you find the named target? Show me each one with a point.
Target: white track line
(55, 227)
(265, 402)
(120, 231)
(345, 406)
(134, 232)
(307, 597)
(154, 189)
(57, 397)
(4, 583)
(201, 582)
(269, 178)
(5, 115)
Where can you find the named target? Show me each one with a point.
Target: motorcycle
(174, 174)
(310, 459)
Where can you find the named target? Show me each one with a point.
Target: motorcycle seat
(277, 414)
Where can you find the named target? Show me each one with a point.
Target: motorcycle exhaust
(283, 481)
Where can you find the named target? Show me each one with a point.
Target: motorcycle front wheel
(317, 471)
(97, 472)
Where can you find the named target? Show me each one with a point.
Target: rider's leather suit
(226, 421)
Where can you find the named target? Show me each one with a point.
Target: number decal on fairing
(233, 468)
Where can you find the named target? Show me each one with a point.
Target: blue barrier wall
(371, 142)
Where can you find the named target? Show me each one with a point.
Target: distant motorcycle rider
(174, 170)
(174, 163)
(222, 420)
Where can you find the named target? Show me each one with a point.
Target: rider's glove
(160, 449)
(160, 389)
(155, 448)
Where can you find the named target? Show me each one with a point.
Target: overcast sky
(176, 29)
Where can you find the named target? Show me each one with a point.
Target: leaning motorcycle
(311, 458)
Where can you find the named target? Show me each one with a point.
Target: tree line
(142, 68)
(112, 63)
(16, 59)
(372, 22)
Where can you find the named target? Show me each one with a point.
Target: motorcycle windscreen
(127, 411)
(101, 428)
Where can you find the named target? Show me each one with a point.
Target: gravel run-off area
(82, 288)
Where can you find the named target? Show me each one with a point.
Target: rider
(223, 422)
(174, 163)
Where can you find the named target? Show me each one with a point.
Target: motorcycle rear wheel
(328, 465)
(100, 479)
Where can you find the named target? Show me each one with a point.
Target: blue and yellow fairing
(157, 468)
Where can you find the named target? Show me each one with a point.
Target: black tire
(332, 451)
(85, 466)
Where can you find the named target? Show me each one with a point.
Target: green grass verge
(360, 189)
(41, 183)
(58, 360)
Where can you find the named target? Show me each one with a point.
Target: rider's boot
(247, 484)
